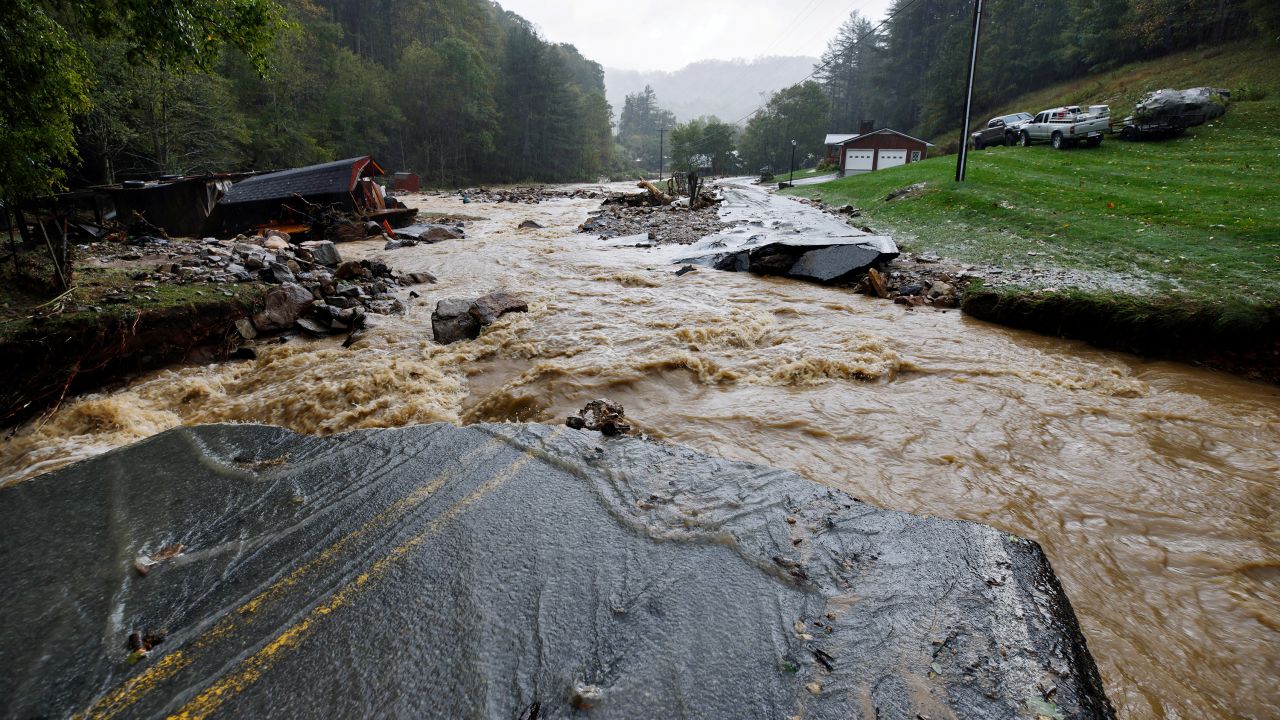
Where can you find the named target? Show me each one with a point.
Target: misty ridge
(727, 89)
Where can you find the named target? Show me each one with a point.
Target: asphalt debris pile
(527, 195)
(661, 225)
(457, 319)
(603, 416)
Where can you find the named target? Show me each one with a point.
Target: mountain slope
(727, 89)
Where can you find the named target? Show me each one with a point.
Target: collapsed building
(292, 200)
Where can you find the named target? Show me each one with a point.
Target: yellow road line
(137, 687)
(252, 668)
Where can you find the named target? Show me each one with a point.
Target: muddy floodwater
(1153, 487)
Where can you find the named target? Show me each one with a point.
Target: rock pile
(318, 292)
(457, 319)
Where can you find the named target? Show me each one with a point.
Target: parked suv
(1065, 126)
(1003, 130)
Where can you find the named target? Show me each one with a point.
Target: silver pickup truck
(1065, 126)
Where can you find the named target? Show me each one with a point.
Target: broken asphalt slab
(774, 235)
(510, 571)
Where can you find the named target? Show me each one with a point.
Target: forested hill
(727, 89)
(458, 90)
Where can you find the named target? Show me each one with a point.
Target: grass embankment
(1183, 234)
(80, 341)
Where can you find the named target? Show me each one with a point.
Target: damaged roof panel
(331, 178)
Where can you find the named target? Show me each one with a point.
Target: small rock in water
(396, 244)
(602, 415)
(530, 225)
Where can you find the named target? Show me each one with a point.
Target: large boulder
(452, 321)
(324, 252)
(284, 305)
(509, 571)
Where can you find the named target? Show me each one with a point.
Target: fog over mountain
(728, 89)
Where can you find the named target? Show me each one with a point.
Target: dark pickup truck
(1003, 130)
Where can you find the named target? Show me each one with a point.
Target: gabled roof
(339, 176)
(837, 138)
(887, 130)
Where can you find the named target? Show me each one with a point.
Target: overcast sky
(669, 34)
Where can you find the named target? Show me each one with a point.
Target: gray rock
(492, 568)
(280, 273)
(396, 244)
(430, 232)
(488, 309)
(324, 252)
(284, 305)
(419, 278)
(245, 327)
(313, 327)
(452, 321)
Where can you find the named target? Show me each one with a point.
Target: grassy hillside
(1245, 66)
(1188, 226)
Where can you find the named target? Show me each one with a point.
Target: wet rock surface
(496, 569)
(457, 319)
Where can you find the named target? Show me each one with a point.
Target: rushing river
(1153, 487)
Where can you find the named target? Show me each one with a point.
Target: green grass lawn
(1197, 215)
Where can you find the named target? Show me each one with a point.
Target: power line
(824, 65)
(782, 35)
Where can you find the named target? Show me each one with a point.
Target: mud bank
(1246, 343)
(59, 357)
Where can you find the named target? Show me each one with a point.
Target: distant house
(880, 149)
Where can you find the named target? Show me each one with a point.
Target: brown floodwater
(1153, 487)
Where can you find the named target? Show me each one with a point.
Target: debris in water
(824, 659)
(602, 415)
(877, 283)
(530, 225)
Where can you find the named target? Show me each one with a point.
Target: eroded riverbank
(1152, 486)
